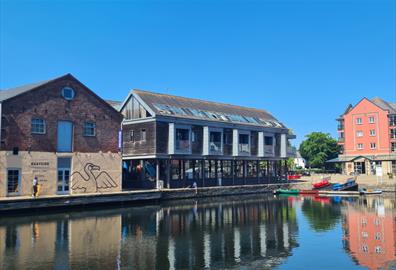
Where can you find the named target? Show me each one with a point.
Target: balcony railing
(341, 140)
(268, 150)
(244, 148)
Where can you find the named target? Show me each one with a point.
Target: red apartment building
(367, 134)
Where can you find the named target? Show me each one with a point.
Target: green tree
(319, 147)
(321, 217)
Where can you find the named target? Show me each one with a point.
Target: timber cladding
(133, 139)
(46, 102)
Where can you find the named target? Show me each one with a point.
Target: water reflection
(258, 232)
(370, 230)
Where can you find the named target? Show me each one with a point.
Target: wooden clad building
(175, 142)
(62, 133)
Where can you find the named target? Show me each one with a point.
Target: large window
(239, 169)
(176, 169)
(251, 169)
(359, 121)
(210, 169)
(227, 169)
(359, 133)
(215, 142)
(13, 181)
(244, 146)
(371, 119)
(182, 140)
(373, 145)
(38, 126)
(89, 129)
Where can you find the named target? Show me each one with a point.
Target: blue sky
(304, 61)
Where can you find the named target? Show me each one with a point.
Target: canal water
(245, 232)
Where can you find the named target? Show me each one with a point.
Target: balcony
(269, 150)
(183, 146)
(244, 148)
(341, 140)
(340, 127)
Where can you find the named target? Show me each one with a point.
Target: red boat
(293, 176)
(309, 192)
(322, 184)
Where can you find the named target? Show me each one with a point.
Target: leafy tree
(319, 147)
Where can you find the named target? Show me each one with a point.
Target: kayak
(338, 193)
(287, 191)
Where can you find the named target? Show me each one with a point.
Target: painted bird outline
(87, 179)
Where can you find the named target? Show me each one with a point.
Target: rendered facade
(367, 134)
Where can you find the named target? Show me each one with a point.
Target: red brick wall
(47, 103)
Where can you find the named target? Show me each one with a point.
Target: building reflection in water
(257, 231)
(370, 232)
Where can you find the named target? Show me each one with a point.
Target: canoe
(287, 191)
(371, 192)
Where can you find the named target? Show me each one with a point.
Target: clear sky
(304, 61)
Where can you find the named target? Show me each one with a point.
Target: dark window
(215, 142)
(143, 135)
(38, 126)
(13, 181)
(227, 138)
(182, 139)
(68, 93)
(89, 129)
(132, 136)
(268, 140)
(239, 169)
(210, 169)
(244, 143)
(251, 169)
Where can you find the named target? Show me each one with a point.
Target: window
(393, 146)
(244, 146)
(364, 234)
(227, 169)
(38, 126)
(372, 132)
(392, 120)
(132, 136)
(393, 133)
(143, 135)
(215, 142)
(182, 139)
(378, 249)
(359, 133)
(251, 169)
(239, 168)
(268, 140)
(68, 93)
(365, 248)
(373, 145)
(371, 119)
(13, 178)
(227, 138)
(359, 121)
(378, 236)
(89, 129)
(359, 146)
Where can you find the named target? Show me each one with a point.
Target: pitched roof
(391, 107)
(164, 104)
(115, 104)
(15, 91)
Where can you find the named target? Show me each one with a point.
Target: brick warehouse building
(176, 141)
(367, 135)
(61, 132)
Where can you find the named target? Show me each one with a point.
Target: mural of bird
(87, 180)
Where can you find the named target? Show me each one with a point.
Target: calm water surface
(247, 232)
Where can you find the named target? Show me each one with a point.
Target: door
(65, 136)
(63, 175)
(360, 168)
(13, 182)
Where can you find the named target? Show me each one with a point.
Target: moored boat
(322, 184)
(349, 185)
(370, 192)
(287, 191)
(309, 192)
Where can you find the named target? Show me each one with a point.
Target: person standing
(35, 186)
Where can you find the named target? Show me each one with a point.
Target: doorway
(63, 182)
